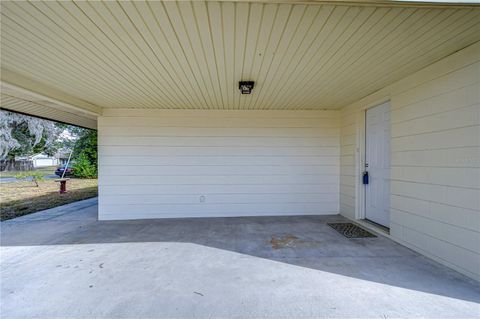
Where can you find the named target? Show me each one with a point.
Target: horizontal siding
(219, 141)
(237, 188)
(216, 199)
(211, 179)
(435, 160)
(144, 161)
(218, 163)
(456, 157)
(109, 150)
(449, 139)
(441, 250)
(347, 162)
(142, 211)
(183, 131)
(227, 169)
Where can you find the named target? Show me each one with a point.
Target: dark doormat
(350, 230)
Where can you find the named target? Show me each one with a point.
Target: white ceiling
(192, 54)
(43, 109)
(14, 99)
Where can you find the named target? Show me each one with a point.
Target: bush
(85, 155)
(34, 175)
(83, 168)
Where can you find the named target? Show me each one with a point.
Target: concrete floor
(63, 263)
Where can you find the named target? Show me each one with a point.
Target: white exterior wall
(44, 161)
(186, 163)
(435, 160)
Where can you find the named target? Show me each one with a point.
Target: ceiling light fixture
(246, 87)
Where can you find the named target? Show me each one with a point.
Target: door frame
(361, 153)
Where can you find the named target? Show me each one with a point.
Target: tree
(22, 135)
(83, 168)
(85, 154)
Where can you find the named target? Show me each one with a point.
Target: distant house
(43, 160)
(22, 163)
(62, 157)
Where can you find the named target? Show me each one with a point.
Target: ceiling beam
(21, 86)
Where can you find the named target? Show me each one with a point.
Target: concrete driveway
(63, 263)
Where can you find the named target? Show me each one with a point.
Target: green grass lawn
(23, 197)
(7, 174)
(48, 170)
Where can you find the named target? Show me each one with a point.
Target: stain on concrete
(286, 241)
(291, 241)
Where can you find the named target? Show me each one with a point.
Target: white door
(377, 164)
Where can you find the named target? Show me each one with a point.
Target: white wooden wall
(181, 163)
(435, 159)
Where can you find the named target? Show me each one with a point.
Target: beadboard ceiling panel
(191, 55)
(46, 109)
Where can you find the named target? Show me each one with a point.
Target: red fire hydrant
(63, 184)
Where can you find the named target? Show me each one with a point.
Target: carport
(364, 111)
